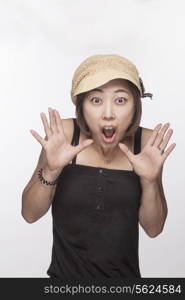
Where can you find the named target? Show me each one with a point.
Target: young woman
(102, 173)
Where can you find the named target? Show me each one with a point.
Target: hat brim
(100, 78)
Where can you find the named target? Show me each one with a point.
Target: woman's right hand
(59, 152)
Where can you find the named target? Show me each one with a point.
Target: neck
(108, 153)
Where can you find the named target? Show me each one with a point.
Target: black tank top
(95, 221)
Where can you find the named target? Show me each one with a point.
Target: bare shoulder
(146, 134)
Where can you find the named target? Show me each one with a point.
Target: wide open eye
(95, 98)
(121, 100)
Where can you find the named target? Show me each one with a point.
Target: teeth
(108, 131)
(106, 127)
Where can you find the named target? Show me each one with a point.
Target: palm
(147, 164)
(59, 152)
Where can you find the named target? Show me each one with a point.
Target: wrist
(51, 175)
(145, 182)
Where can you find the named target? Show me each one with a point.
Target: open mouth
(109, 134)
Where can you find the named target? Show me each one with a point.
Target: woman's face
(111, 104)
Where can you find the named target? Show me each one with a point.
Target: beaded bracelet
(44, 180)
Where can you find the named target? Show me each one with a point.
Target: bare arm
(153, 210)
(37, 197)
(148, 165)
(55, 155)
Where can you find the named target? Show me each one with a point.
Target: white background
(41, 44)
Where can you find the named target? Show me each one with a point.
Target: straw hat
(98, 69)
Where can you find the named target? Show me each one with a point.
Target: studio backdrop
(41, 44)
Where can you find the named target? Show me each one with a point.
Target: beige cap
(98, 69)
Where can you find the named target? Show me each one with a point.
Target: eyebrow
(117, 91)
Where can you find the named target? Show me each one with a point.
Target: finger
(168, 151)
(166, 139)
(46, 125)
(52, 119)
(38, 137)
(59, 123)
(154, 134)
(160, 135)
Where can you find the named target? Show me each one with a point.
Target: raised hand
(59, 152)
(148, 163)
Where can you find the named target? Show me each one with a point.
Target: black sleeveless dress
(95, 221)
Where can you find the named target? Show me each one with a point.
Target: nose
(108, 111)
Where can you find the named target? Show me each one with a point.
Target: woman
(103, 176)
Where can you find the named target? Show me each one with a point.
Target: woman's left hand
(148, 163)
